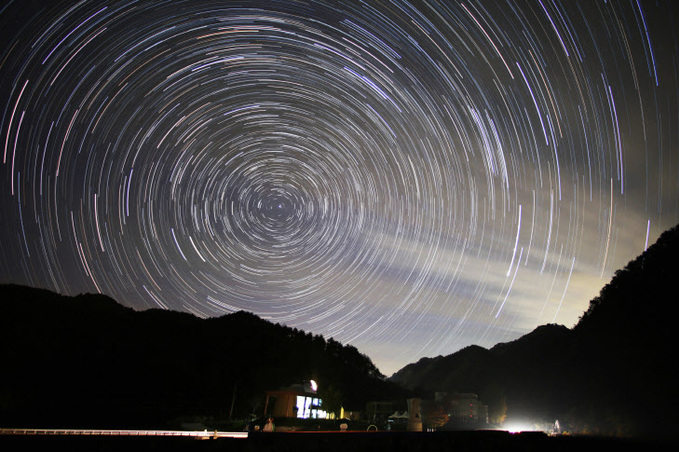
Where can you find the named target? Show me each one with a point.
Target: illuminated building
(296, 401)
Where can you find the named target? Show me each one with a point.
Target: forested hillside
(88, 361)
(613, 373)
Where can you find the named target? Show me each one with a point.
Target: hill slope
(613, 373)
(87, 361)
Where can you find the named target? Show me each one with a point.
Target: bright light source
(314, 386)
(517, 427)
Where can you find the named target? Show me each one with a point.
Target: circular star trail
(411, 178)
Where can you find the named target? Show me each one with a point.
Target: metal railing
(202, 434)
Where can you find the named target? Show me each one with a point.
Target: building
(466, 408)
(296, 401)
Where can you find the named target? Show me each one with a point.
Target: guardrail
(202, 434)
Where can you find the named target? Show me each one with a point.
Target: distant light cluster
(410, 178)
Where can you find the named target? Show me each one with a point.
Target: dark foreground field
(336, 441)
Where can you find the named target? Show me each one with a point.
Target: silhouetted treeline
(87, 361)
(614, 373)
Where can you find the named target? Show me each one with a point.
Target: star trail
(407, 177)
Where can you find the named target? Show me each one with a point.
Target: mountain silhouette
(614, 373)
(87, 361)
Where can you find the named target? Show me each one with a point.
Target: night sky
(408, 178)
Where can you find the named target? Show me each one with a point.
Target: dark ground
(337, 441)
